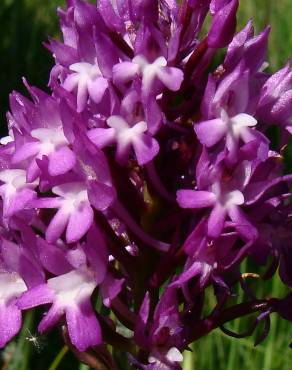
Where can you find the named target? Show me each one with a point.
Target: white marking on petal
(264, 66)
(174, 355)
(234, 198)
(73, 287)
(11, 286)
(238, 124)
(227, 199)
(82, 78)
(149, 71)
(73, 194)
(15, 179)
(152, 359)
(50, 139)
(125, 134)
(6, 139)
(86, 71)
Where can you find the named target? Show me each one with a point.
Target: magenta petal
(216, 221)
(223, 25)
(83, 327)
(242, 224)
(10, 322)
(18, 202)
(100, 195)
(110, 288)
(102, 137)
(146, 148)
(110, 15)
(36, 296)
(51, 318)
(21, 260)
(193, 270)
(124, 72)
(46, 203)
(171, 77)
(71, 82)
(210, 132)
(282, 110)
(57, 226)
(144, 310)
(61, 161)
(79, 223)
(153, 115)
(195, 199)
(96, 253)
(197, 240)
(97, 88)
(26, 151)
(53, 258)
(33, 171)
(217, 5)
(140, 326)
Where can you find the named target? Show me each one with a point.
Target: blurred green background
(25, 25)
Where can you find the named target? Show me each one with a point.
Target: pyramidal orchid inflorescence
(144, 177)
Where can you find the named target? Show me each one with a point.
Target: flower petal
(53, 258)
(36, 296)
(242, 224)
(100, 195)
(193, 270)
(57, 226)
(10, 322)
(83, 327)
(79, 223)
(26, 151)
(102, 137)
(124, 72)
(216, 221)
(97, 88)
(61, 161)
(146, 148)
(210, 132)
(51, 318)
(195, 199)
(171, 77)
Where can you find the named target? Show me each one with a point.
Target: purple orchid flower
(209, 258)
(136, 113)
(79, 272)
(230, 106)
(164, 334)
(126, 136)
(129, 131)
(18, 272)
(150, 73)
(41, 134)
(225, 196)
(15, 192)
(88, 81)
(275, 99)
(74, 212)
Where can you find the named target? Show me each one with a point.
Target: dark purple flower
(136, 114)
(275, 100)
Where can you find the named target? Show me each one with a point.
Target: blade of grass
(58, 359)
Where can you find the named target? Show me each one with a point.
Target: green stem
(59, 358)
(83, 367)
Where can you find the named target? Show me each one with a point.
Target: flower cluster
(145, 177)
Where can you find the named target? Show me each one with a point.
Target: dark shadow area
(25, 26)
